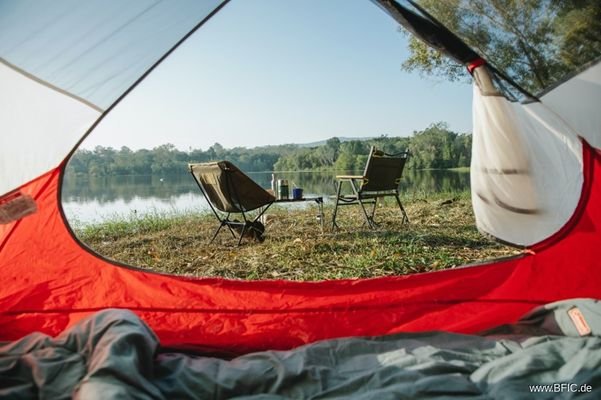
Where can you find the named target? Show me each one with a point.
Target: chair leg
(227, 218)
(369, 220)
(242, 232)
(261, 214)
(321, 216)
(217, 231)
(403, 212)
(335, 212)
(231, 231)
(244, 228)
(373, 209)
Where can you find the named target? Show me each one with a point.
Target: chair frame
(248, 224)
(361, 194)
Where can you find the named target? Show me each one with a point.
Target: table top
(317, 199)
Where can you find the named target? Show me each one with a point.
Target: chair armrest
(350, 177)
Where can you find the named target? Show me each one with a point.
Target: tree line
(434, 147)
(167, 159)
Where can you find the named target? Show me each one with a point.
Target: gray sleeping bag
(553, 352)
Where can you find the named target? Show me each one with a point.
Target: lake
(88, 200)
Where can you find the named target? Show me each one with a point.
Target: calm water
(88, 200)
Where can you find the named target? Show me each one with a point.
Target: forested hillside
(434, 147)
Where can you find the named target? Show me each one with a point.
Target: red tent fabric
(49, 280)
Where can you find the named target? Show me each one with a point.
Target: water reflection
(126, 188)
(89, 199)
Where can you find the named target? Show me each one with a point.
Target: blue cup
(297, 193)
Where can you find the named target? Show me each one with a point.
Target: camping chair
(381, 178)
(229, 191)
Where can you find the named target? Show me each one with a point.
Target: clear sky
(280, 71)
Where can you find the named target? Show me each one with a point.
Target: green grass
(441, 235)
(118, 227)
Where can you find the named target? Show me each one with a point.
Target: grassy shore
(441, 235)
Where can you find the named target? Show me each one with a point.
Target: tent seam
(49, 85)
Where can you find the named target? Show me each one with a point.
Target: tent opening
(282, 98)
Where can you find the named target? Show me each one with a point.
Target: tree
(436, 147)
(580, 27)
(536, 42)
(167, 159)
(350, 156)
(122, 162)
(216, 150)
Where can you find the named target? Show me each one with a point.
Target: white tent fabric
(578, 101)
(526, 171)
(39, 124)
(116, 41)
(54, 84)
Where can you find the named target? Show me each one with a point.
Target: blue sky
(278, 71)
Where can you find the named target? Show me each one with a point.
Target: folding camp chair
(229, 191)
(381, 178)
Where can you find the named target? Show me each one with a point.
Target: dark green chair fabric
(381, 178)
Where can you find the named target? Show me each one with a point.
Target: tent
(65, 65)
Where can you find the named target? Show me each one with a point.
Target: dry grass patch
(441, 235)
